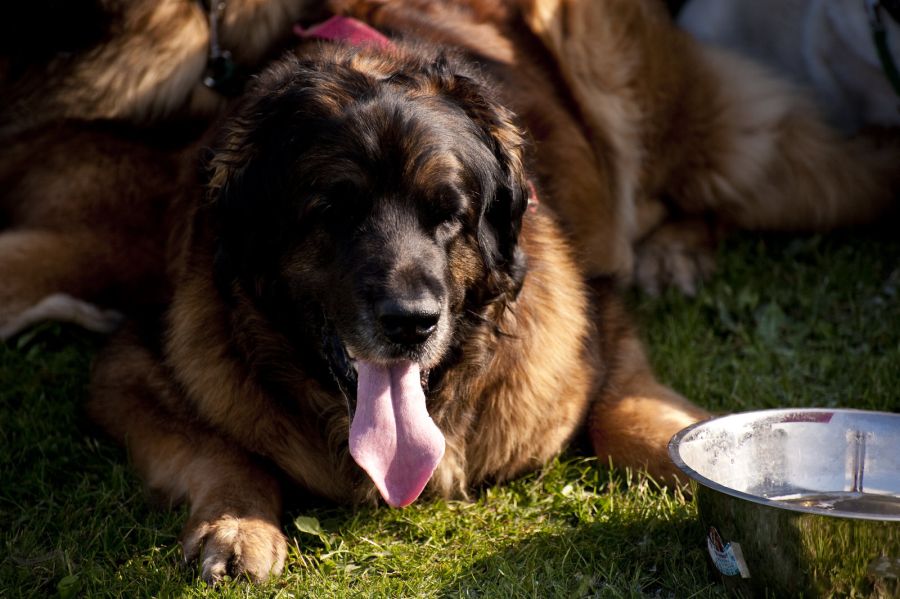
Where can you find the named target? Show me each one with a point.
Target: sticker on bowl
(727, 557)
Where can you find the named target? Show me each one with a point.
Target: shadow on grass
(645, 557)
(73, 518)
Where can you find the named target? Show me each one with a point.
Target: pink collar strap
(344, 29)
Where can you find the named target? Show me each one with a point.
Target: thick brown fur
(632, 125)
(100, 126)
(643, 135)
(86, 213)
(144, 62)
(239, 396)
(647, 143)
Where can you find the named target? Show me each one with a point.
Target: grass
(812, 321)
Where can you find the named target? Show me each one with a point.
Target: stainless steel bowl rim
(675, 455)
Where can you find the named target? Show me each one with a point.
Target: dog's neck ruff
(874, 10)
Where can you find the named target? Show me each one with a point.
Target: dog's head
(376, 197)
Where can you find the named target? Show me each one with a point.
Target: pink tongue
(392, 437)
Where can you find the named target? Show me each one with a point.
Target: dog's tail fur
(765, 159)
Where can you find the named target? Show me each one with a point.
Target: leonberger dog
(369, 296)
(366, 305)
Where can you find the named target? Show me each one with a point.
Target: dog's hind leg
(235, 502)
(759, 156)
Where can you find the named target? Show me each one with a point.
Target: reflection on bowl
(799, 501)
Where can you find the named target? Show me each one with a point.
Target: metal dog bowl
(799, 502)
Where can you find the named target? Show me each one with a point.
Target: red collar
(344, 29)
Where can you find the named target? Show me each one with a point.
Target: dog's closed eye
(445, 207)
(340, 200)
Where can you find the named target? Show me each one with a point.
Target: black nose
(408, 322)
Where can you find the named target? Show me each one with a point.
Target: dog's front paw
(677, 254)
(235, 546)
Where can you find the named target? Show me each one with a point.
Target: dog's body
(86, 212)
(145, 62)
(84, 114)
(371, 206)
(826, 45)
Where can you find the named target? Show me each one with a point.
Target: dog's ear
(246, 203)
(249, 186)
(506, 196)
(235, 203)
